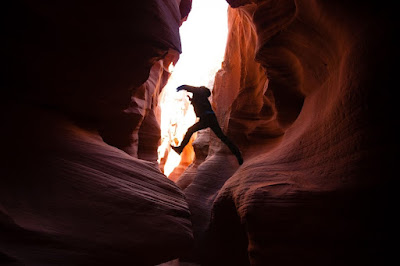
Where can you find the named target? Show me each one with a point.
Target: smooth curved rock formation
(136, 129)
(304, 92)
(184, 7)
(200, 147)
(80, 76)
(78, 201)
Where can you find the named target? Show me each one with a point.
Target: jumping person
(207, 118)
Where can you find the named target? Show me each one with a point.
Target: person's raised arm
(188, 88)
(182, 87)
(204, 91)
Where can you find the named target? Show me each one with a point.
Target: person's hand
(182, 87)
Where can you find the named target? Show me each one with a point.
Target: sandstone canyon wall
(305, 92)
(79, 179)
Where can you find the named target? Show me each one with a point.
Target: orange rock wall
(304, 92)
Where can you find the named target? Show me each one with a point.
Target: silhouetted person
(207, 118)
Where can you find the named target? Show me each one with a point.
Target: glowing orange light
(171, 68)
(203, 37)
(176, 117)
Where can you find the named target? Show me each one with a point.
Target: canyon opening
(203, 36)
(303, 88)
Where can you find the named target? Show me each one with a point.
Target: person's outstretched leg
(191, 130)
(213, 123)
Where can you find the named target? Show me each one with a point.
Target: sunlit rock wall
(77, 75)
(136, 130)
(304, 93)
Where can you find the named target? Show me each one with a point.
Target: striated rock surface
(43, 38)
(136, 129)
(304, 92)
(79, 77)
(78, 201)
(200, 147)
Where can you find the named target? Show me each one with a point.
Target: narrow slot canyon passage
(203, 36)
(303, 88)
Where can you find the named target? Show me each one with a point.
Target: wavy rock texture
(66, 196)
(200, 147)
(100, 86)
(136, 130)
(79, 201)
(304, 93)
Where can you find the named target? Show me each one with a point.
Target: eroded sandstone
(305, 91)
(301, 94)
(80, 184)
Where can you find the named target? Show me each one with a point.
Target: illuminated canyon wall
(304, 92)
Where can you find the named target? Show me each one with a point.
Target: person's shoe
(178, 149)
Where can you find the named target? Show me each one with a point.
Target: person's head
(206, 91)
